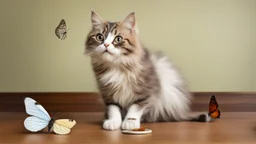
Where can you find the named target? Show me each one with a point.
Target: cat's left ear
(129, 22)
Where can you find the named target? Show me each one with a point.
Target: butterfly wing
(35, 109)
(214, 112)
(35, 124)
(63, 126)
(61, 30)
(213, 105)
(60, 129)
(69, 123)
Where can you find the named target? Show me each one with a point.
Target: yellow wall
(211, 41)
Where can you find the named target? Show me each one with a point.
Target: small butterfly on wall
(61, 30)
(214, 111)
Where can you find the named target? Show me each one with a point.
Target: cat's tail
(204, 117)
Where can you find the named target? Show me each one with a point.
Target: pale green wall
(254, 63)
(217, 36)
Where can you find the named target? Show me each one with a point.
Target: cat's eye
(99, 37)
(118, 39)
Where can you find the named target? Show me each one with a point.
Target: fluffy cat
(136, 85)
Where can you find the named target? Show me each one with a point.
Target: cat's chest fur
(119, 85)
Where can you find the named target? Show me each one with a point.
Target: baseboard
(92, 102)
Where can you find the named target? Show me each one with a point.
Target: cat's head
(115, 42)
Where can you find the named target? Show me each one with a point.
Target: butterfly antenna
(56, 114)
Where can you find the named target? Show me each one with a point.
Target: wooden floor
(232, 128)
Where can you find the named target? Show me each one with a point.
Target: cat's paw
(130, 124)
(111, 124)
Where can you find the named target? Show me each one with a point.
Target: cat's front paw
(130, 124)
(111, 124)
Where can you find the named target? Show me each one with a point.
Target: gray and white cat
(136, 85)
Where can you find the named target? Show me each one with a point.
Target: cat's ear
(129, 22)
(96, 20)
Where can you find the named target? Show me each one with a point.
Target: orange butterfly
(214, 112)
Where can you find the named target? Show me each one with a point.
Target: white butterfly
(40, 119)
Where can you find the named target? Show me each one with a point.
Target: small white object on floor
(147, 131)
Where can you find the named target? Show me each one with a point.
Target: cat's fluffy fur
(136, 85)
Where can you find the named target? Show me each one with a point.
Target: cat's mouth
(106, 51)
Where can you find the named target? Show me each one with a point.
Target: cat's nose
(106, 45)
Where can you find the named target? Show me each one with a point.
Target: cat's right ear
(96, 20)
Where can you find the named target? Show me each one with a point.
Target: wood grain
(231, 128)
(92, 102)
